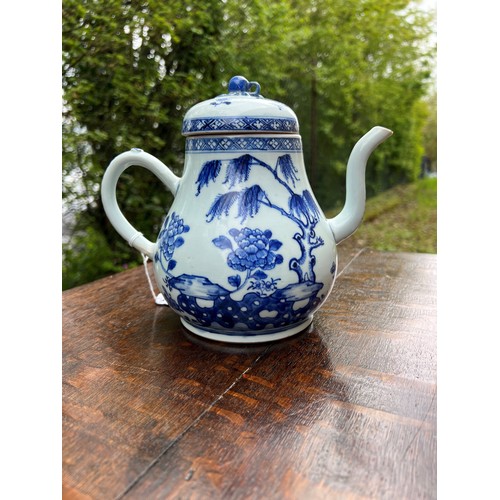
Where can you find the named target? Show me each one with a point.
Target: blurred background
(131, 70)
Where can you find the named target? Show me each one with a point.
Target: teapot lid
(241, 110)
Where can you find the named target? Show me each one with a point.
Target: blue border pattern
(240, 123)
(243, 143)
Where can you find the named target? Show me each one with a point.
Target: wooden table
(344, 410)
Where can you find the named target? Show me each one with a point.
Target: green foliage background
(131, 70)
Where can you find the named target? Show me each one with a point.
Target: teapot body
(245, 254)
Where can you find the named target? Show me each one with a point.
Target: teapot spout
(348, 220)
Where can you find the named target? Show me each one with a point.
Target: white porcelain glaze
(245, 254)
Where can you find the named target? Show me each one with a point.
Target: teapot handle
(108, 194)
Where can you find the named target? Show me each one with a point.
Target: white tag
(159, 299)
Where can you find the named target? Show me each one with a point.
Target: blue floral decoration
(170, 239)
(255, 249)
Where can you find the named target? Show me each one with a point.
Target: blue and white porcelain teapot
(245, 254)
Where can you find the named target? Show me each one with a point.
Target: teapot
(245, 253)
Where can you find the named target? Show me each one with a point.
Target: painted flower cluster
(170, 238)
(254, 249)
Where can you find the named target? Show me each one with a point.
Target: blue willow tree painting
(251, 299)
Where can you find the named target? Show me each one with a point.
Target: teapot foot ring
(249, 338)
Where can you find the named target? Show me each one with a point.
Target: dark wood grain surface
(346, 409)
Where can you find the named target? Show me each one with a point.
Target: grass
(402, 219)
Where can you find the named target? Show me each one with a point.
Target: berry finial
(240, 85)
